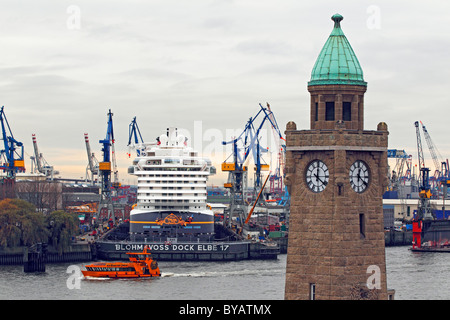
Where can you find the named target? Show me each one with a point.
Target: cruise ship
(171, 196)
(171, 215)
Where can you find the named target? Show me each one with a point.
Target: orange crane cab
(141, 265)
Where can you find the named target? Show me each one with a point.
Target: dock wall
(180, 251)
(398, 238)
(190, 251)
(76, 252)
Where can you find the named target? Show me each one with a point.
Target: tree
(62, 227)
(45, 195)
(20, 224)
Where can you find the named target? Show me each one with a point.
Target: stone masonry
(325, 244)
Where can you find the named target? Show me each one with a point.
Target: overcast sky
(176, 63)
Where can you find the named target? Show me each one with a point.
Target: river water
(412, 275)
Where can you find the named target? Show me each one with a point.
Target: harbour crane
(12, 152)
(135, 140)
(445, 173)
(248, 142)
(236, 183)
(424, 216)
(92, 168)
(109, 185)
(399, 174)
(435, 154)
(11, 157)
(41, 165)
(133, 130)
(424, 209)
(440, 165)
(276, 179)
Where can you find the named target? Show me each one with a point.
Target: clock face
(359, 176)
(317, 176)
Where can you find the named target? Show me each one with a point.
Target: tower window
(347, 111)
(312, 291)
(340, 187)
(317, 112)
(362, 226)
(329, 111)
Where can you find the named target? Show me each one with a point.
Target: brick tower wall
(326, 247)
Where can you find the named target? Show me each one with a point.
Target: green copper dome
(337, 63)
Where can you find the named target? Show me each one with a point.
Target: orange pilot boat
(141, 265)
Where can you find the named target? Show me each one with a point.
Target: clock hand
(317, 178)
(359, 177)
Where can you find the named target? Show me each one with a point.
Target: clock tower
(336, 174)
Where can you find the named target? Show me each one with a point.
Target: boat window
(172, 161)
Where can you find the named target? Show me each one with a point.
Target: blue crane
(395, 153)
(269, 116)
(245, 144)
(248, 142)
(134, 137)
(133, 130)
(106, 166)
(402, 160)
(12, 152)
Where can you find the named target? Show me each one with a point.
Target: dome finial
(337, 18)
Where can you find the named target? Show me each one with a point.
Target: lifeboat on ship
(141, 265)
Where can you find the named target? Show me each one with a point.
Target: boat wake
(221, 273)
(167, 274)
(96, 278)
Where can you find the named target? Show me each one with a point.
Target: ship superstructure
(171, 197)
